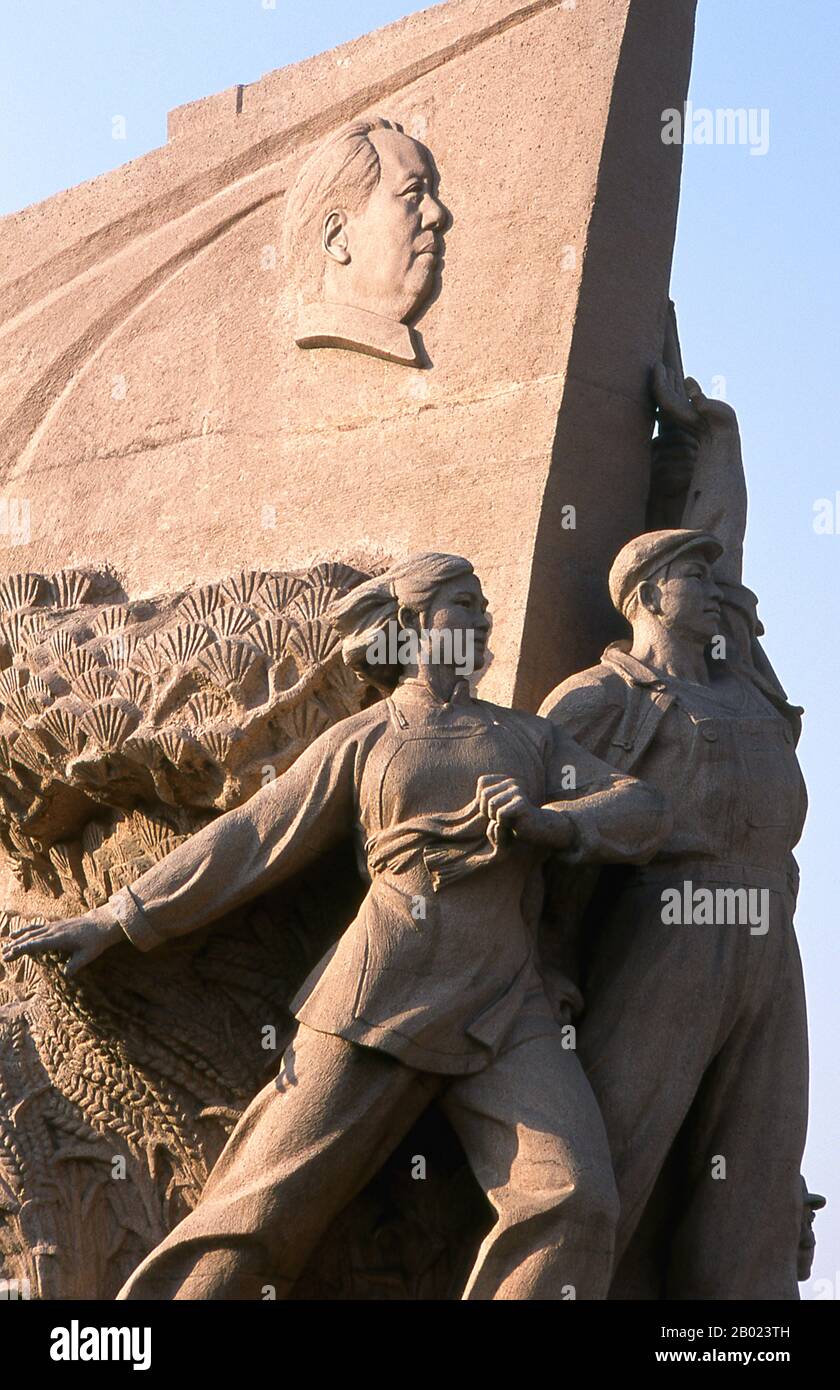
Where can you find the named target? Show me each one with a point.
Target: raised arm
(283, 827)
(716, 499)
(699, 444)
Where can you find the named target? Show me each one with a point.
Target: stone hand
(81, 938)
(684, 405)
(507, 808)
(710, 411)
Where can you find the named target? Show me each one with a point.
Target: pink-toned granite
(157, 414)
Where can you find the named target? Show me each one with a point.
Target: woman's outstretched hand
(82, 939)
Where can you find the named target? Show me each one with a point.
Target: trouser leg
(708, 1061)
(742, 1147)
(304, 1147)
(658, 1000)
(534, 1138)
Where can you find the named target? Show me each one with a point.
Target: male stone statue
(363, 240)
(432, 990)
(694, 1032)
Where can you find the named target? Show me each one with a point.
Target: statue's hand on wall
(716, 499)
(685, 407)
(677, 445)
(697, 435)
(82, 939)
(673, 399)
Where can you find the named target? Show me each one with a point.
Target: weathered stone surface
(125, 727)
(157, 414)
(164, 426)
(691, 705)
(436, 971)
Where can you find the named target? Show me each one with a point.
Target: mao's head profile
(363, 226)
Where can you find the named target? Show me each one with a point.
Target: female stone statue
(432, 991)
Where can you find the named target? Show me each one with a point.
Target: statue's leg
(304, 1147)
(682, 1081)
(535, 1140)
(660, 1000)
(741, 1149)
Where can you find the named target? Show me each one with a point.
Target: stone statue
(125, 725)
(694, 1030)
(433, 989)
(363, 240)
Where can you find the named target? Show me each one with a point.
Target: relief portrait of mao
(363, 240)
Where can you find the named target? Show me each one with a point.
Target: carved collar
(413, 689)
(618, 656)
(339, 325)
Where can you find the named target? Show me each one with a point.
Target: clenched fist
(506, 806)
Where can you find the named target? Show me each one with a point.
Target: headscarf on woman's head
(369, 608)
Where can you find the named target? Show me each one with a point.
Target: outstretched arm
(283, 827)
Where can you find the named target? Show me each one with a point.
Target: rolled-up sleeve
(617, 819)
(278, 831)
(131, 916)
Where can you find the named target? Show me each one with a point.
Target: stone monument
(402, 299)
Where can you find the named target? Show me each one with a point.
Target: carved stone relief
(125, 726)
(363, 234)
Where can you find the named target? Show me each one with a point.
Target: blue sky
(755, 280)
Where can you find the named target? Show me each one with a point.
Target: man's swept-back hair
(369, 609)
(341, 173)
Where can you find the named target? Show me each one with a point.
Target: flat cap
(645, 555)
